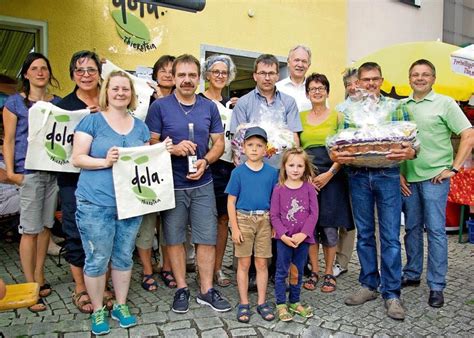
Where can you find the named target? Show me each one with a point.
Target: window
(18, 37)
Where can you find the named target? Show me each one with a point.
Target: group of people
(303, 197)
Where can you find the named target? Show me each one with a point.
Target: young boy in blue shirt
(249, 193)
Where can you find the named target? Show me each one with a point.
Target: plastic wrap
(279, 139)
(373, 135)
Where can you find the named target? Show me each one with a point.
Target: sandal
(45, 290)
(222, 279)
(243, 313)
(299, 309)
(266, 311)
(108, 299)
(283, 313)
(168, 278)
(80, 304)
(153, 286)
(329, 284)
(38, 307)
(311, 282)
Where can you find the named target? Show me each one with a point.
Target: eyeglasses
(265, 74)
(217, 73)
(423, 75)
(314, 90)
(370, 79)
(164, 71)
(82, 71)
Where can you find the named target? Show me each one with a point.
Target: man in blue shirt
(266, 103)
(194, 193)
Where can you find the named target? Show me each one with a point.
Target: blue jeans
(426, 207)
(105, 238)
(285, 257)
(379, 187)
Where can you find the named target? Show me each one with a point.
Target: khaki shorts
(147, 231)
(38, 201)
(257, 233)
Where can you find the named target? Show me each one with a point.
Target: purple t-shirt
(16, 104)
(294, 210)
(167, 117)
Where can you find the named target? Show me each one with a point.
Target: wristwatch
(454, 170)
(333, 171)
(207, 162)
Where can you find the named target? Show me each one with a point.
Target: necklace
(186, 112)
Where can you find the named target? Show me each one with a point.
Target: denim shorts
(196, 207)
(38, 202)
(105, 238)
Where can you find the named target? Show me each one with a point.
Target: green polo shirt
(437, 117)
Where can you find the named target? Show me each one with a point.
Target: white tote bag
(143, 180)
(50, 136)
(142, 89)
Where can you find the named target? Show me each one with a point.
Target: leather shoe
(436, 299)
(410, 282)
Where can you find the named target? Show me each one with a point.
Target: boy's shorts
(257, 233)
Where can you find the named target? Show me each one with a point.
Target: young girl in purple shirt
(294, 213)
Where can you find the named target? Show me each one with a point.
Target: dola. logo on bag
(144, 180)
(58, 138)
(50, 137)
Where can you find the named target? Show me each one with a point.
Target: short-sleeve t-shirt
(437, 117)
(315, 135)
(253, 189)
(16, 104)
(167, 117)
(97, 186)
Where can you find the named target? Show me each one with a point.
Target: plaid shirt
(401, 113)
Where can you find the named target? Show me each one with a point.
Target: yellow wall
(276, 26)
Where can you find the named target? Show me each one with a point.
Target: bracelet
(207, 162)
(454, 170)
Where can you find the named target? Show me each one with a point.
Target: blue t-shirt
(97, 186)
(167, 118)
(253, 189)
(16, 104)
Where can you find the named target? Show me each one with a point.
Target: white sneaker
(337, 270)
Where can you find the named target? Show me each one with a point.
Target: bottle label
(192, 159)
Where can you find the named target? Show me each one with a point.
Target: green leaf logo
(126, 158)
(134, 29)
(147, 194)
(141, 159)
(62, 118)
(57, 153)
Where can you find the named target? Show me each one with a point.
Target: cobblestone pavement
(332, 317)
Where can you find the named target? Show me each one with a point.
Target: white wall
(375, 24)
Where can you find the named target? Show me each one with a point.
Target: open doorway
(244, 60)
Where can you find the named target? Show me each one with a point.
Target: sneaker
(361, 296)
(215, 300)
(395, 309)
(181, 301)
(100, 324)
(337, 270)
(121, 313)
